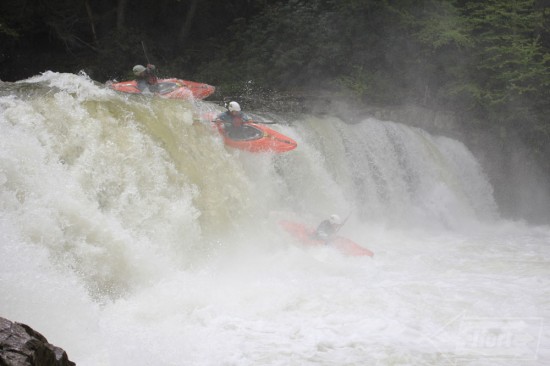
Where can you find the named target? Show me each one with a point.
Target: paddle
(224, 102)
(258, 122)
(342, 224)
(266, 122)
(262, 122)
(145, 52)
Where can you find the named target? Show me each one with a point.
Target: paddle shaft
(342, 224)
(262, 122)
(145, 52)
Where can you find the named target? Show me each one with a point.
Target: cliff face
(20, 345)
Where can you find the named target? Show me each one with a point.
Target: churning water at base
(130, 235)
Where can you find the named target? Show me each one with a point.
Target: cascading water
(130, 235)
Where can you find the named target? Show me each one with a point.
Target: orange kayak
(304, 234)
(169, 88)
(257, 138)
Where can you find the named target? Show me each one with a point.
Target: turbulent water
(130, 235)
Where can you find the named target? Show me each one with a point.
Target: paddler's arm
(219, 122)
(246, 119)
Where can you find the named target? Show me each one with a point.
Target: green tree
(511, 70)
(509, 59)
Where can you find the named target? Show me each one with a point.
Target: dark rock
(20, 345)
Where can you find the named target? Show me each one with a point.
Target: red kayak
(304, 234)
(257, 138)
(169, 88)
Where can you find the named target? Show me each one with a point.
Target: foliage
(286, 45)
(508, 52)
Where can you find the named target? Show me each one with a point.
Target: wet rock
(20, 345)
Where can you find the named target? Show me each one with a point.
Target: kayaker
(146, 78)
(234, 121)
(328, 228)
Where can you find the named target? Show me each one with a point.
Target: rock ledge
(20, 345)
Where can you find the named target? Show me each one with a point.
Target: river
(130, 236)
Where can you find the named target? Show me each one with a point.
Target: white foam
(136, 238)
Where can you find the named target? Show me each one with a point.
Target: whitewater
(131, 236)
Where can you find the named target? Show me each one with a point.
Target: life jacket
(150, 77)
(236, 121)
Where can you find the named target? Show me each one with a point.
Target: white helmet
(138, 69)
(335, 220)
(234, 107)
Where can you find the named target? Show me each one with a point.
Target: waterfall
(133, 212)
